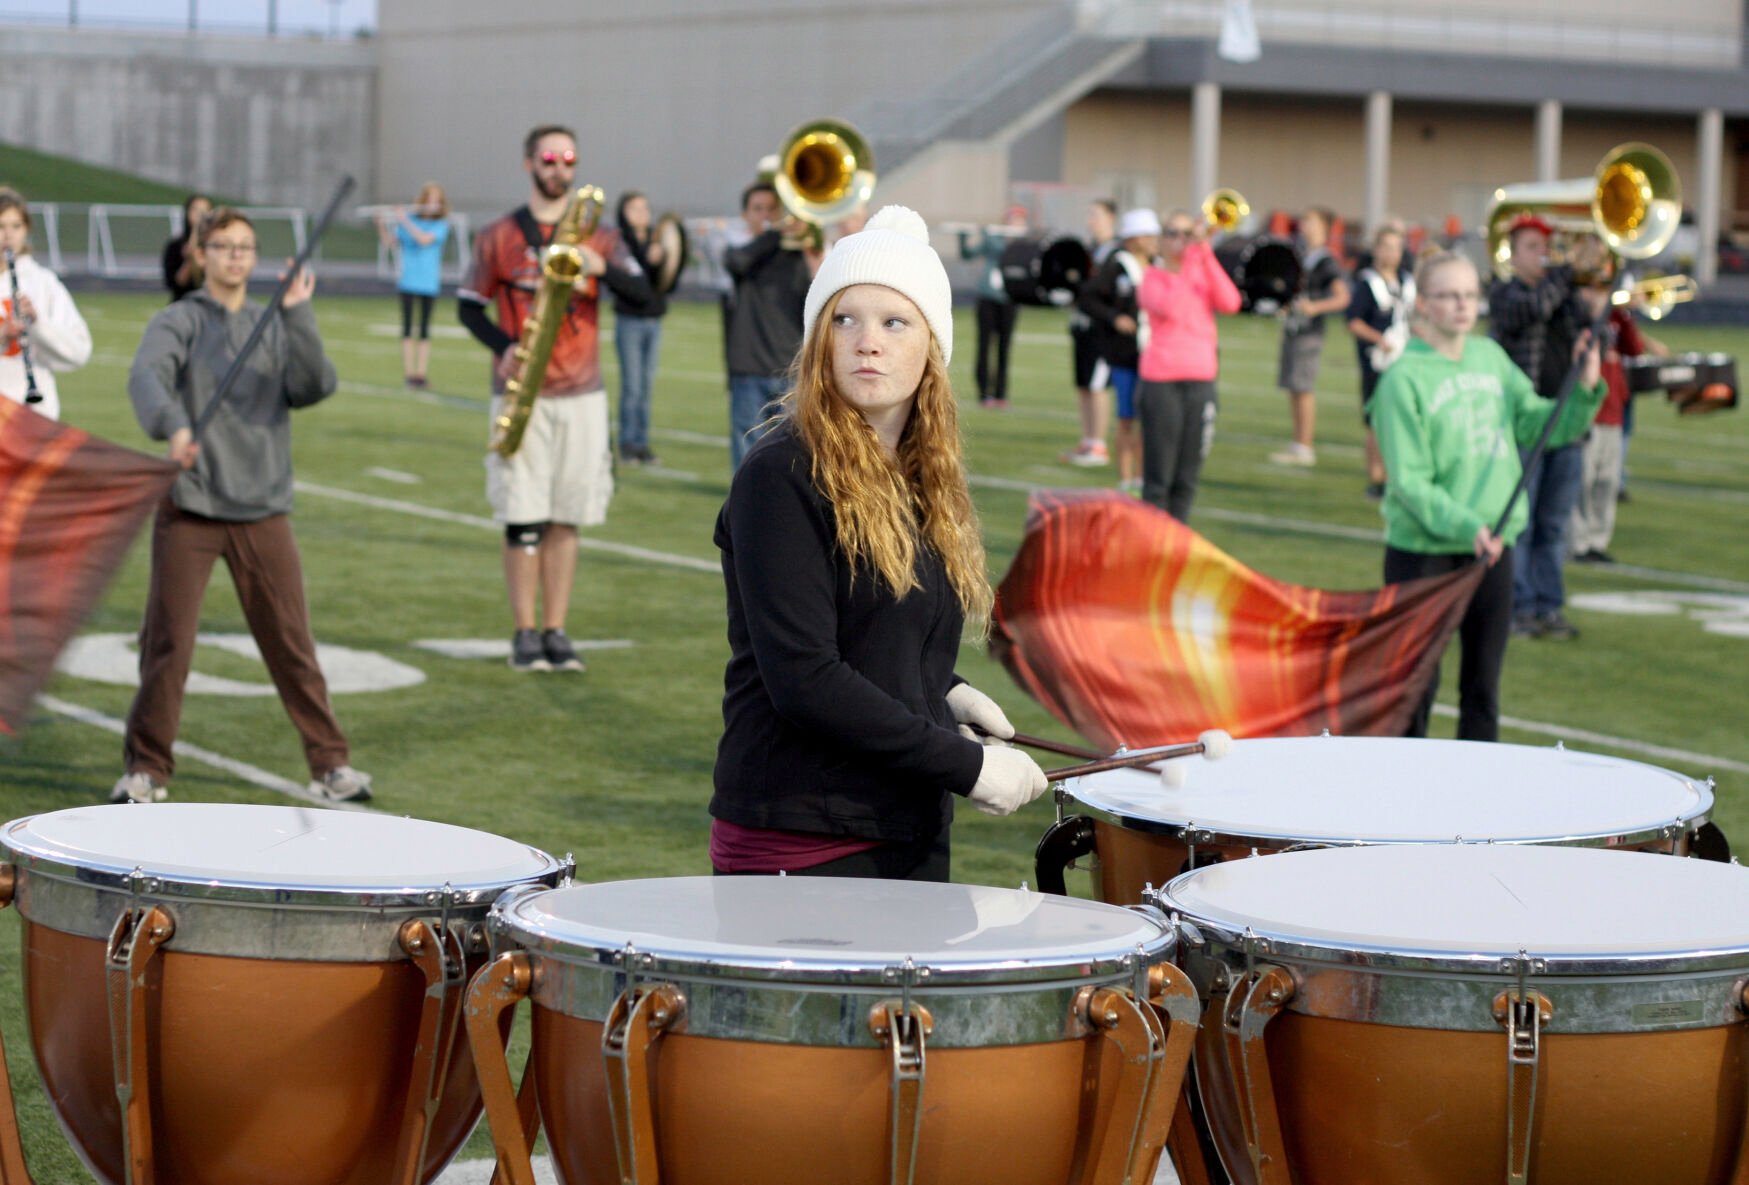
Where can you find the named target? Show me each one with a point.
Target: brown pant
(263, 559)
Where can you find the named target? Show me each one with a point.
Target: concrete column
(1378, 159)
(1205, 140)
(1548, 140)
(1706, 195)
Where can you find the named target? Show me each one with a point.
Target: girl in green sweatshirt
(1451, 416)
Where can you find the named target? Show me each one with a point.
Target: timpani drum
(221, 994)
(1458, 1013)
(795, 1030)
(1270, 795)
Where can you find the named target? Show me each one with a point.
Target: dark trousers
(1552, 491)
(1178, 427)
(924, 859)
(995, 336)
(264, 564)
(408, 300)
(1482, 634)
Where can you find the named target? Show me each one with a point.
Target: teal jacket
(988, 253)
(1451, 432)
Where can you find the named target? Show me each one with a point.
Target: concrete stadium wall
(1444, 159)
(679, 98)
(274, 122)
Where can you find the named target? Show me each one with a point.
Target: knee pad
(526, 535)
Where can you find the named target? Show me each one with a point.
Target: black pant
(1483, 633)
(425, 302)
(924, 859)
(1178, 426)
(995, 333)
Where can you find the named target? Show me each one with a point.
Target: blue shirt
(422, 265)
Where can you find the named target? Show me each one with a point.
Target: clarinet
(31, 394)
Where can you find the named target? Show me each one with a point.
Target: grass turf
(614, 765)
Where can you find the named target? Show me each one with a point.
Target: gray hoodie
(244, 470)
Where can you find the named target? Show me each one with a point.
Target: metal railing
(1524, 30)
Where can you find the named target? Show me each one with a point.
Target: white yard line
(1698, 764)
(473, 520)
(254, 775)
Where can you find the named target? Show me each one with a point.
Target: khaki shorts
(563, 472)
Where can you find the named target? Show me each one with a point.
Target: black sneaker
(1375, 491)
(527, 653)
(1554, 625)
(646, 457)
(1525, 625)
(560, 654)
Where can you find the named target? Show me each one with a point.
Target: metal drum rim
(236, 890)
(1280, 946)
(552, 942)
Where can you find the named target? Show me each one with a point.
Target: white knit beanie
(893, 249)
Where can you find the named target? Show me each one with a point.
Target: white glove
(971, 706)
(1008, 781)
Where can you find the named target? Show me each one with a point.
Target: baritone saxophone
(561, 267)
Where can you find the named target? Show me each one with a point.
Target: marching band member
(763, 325)
(1092, 369)
(1302, 334)
(1109, 302)
(852, 560)
(1535, 316)
(181, 268)
(41, 324)
(1378, 317)
(1180, 293)
(562, 475)
(997, 311)
(233, 502)
(419, 235)
(637, 331)
(1452, 415)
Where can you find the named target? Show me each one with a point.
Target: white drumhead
(1480, 899)
(762, 920)
(274, 846)
(1393, 790)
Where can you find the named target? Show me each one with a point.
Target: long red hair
(887, 504)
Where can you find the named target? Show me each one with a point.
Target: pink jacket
(1181, 308)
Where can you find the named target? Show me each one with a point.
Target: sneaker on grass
(138, 788)
(1295, 454)
(342, 784)
(527, 653)
(560, 654)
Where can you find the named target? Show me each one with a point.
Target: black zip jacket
(835, 716)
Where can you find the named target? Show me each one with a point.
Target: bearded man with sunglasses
(561, 477)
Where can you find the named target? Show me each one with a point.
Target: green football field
(614, 765)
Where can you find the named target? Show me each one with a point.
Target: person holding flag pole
(217, 378)
(1451, 415)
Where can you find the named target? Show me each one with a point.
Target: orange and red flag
(1134, 630)
(70, 504)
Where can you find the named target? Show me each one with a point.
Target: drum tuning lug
(1560, 746)
(1325, 733)
(8, 884)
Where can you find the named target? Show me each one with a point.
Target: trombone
(1633, 202)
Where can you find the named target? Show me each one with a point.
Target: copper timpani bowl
(718, 1031)
(272, 995)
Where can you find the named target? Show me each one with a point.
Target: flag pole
(273, 306)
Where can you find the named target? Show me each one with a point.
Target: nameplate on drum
(1668, 1012)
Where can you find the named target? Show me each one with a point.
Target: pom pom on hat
(892, 250)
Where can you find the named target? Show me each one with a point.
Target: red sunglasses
(552, 158)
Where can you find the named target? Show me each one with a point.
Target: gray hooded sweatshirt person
(243, 472)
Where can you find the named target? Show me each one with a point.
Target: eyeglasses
(552, 158)
(216, 247)
(1176, 232)
(1455, 297)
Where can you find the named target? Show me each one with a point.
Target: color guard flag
(70, 504)
(1134, 630)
